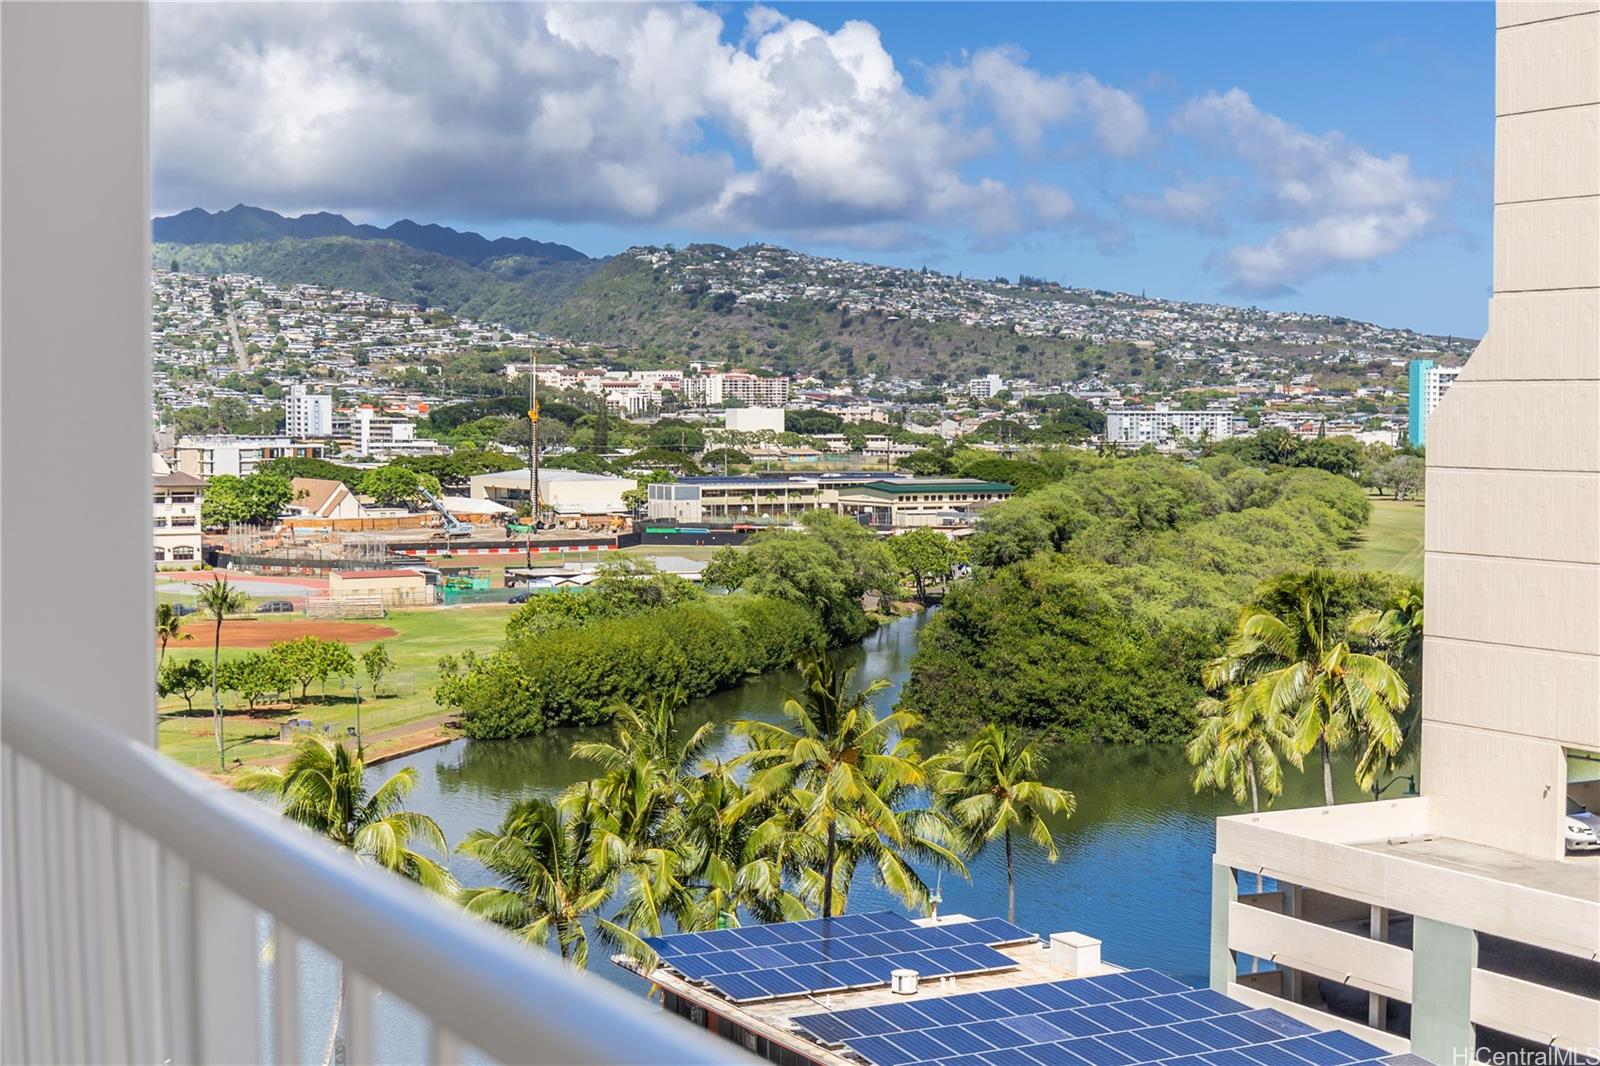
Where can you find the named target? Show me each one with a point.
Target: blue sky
(1325, 157)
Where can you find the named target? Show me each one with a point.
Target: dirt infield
(259, 632)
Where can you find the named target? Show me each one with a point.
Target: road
(238, 345)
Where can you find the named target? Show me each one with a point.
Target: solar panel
(1135, 1017)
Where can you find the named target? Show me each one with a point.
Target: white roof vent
(903, 982)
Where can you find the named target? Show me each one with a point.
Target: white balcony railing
(136, 898)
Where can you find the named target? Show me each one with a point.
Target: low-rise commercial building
(566, 492)
(390, 588)
(240, 456)
(905, 503)
(178, 497)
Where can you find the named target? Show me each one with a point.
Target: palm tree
(921, 833)
(324, 789)
(547, 886)
(833, 759)
(1395, 633)
(169, 626)
(1287, 649)
(733, 865)
(990, 784)
(219, 599)
(1237, 745)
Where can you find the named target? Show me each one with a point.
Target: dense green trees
(257, 499)
(1100, 597)
(397, 485)
(182, 677)
(577, 674)
(924, 555)
(828, 565)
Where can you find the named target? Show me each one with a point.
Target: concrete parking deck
(1577, 876)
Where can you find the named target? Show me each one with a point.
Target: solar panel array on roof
(1119, 1019)
(834, 954)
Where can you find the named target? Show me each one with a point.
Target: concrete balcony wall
(1526, 11)
(1526, 776)
(1561, 514)
(1547, 64)
(1535, 1012)
(1339, 956)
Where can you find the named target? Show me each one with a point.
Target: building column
(1224, 890)
(1293, 900)
(1443, 957)
(1377, 1005)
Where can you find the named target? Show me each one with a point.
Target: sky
(1335, 157)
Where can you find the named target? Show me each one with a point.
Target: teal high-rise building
(1417, 426)
(1429, 382)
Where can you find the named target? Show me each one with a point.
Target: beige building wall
(1512, 652)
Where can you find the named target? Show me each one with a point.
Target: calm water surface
(1134, 867)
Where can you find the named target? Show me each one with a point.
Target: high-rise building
(1429, 383)
(1161, 424)
(307, 414)
(1467, 917)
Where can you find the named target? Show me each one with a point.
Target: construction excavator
(453, 526)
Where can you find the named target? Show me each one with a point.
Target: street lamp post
(360, 751)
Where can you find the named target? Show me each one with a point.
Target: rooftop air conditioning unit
(903, 982)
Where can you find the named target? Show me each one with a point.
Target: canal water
(1135, 858)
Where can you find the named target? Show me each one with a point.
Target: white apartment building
(1163, 423)
(306, 413)
(366, 431)
(208, 456)
(985, 387)
(713, 390)
(1455, 921)
(1429, 382)
(177, 513)
(754, 419)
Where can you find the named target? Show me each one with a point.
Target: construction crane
(453, 526)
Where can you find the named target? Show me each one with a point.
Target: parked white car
(1583, 827)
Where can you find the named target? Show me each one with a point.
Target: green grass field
(1393, 537)
(422, 637)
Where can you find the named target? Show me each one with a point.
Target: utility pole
(533, 456)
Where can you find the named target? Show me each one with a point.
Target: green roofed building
(905, 503)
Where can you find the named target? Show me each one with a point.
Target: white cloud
(1051, 205)
(1192, 204)
(1340, 205)
(1029, 104)
(576, 112)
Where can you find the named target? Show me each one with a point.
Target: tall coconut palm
(324, 789)
(826, 758)
(1239, 745)
(990, 784)
(1395, 633)
(732, 865)
(169, 626)
(918, 834)
(1288, 648)
(219, 599)
(548, 887)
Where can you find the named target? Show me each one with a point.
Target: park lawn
(406, 691)
(1393, 537)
